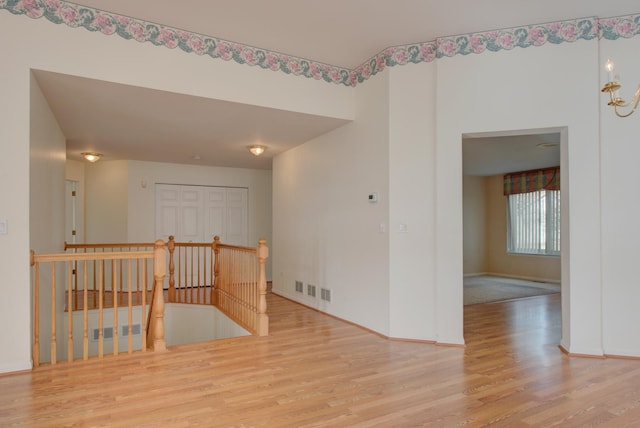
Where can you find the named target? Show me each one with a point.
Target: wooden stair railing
(125, 271)
(240, 285)
(232, 278)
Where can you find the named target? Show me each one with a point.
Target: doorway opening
(493, 269)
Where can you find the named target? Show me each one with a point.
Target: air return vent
(325, 294)
(107, 333)
(311, 290)
(299, 286)
(135, 330)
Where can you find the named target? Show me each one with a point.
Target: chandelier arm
(634, 101)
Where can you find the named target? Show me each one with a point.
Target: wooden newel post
(157, 342)
(216, 270)
(263, 318)
(171, 245)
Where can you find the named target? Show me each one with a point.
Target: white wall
(325, 232)
(412, 201)
(534, 88)
(79, 52)
(475, 242)
(106, 202)
(620, 151)
(185, 323)
(46, 178)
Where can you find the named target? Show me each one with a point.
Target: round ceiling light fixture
(257, 150)
(91, 156)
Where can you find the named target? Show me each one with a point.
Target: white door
(198, 213)
(226, 215)
(236, 232)
(215, 213)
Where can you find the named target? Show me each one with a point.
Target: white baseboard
(524, 278)
(16, 367)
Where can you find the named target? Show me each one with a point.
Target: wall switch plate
(4, 227)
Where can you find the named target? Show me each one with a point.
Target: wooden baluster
(54, 349)
(216, 270)
(200, 285)
(157, 316)
(143, 308)
(85, 311)
(183, 271)
(36, 313)
(191, 297)
(130, 308)
(114, 291)
(72, 267)
(263, 318)
(101, 287)
(171, 245)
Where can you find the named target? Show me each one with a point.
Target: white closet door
(215, 218)
(198, 213)
(237, 216)
(192, 221)
(168, 206)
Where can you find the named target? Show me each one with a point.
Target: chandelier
(613, 88)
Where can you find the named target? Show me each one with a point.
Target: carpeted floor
(485, 289)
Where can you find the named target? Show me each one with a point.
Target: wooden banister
(87, 268)
(104, 276)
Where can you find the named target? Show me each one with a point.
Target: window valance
(532, 181)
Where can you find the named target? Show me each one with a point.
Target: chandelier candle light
(613, 88)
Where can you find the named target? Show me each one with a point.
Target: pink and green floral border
(74, 15)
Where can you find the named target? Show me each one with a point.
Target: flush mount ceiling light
(257, 150)
(91, 157)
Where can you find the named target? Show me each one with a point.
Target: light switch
(402, 228)
(4, 227)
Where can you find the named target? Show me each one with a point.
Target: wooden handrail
(128, 262)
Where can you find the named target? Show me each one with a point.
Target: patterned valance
(532, 181)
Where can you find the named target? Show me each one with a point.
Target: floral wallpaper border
(74, 15)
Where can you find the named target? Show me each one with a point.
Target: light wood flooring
(317, 371)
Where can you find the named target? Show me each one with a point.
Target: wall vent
(311, 290)
(325, 294)
(135, 330)
(107, 333)
(299, 286)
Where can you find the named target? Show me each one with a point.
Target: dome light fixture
(91, 156)
(257, 150)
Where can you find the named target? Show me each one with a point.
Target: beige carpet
(485, 289)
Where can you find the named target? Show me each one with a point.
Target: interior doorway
(486, 222)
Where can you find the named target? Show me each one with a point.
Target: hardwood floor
(316, 371)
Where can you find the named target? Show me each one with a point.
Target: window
(533, 222)
(533, 212)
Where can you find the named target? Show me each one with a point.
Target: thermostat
(373, 197)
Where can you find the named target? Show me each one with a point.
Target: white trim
(16, 367)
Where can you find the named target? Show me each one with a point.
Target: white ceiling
(123, 122)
